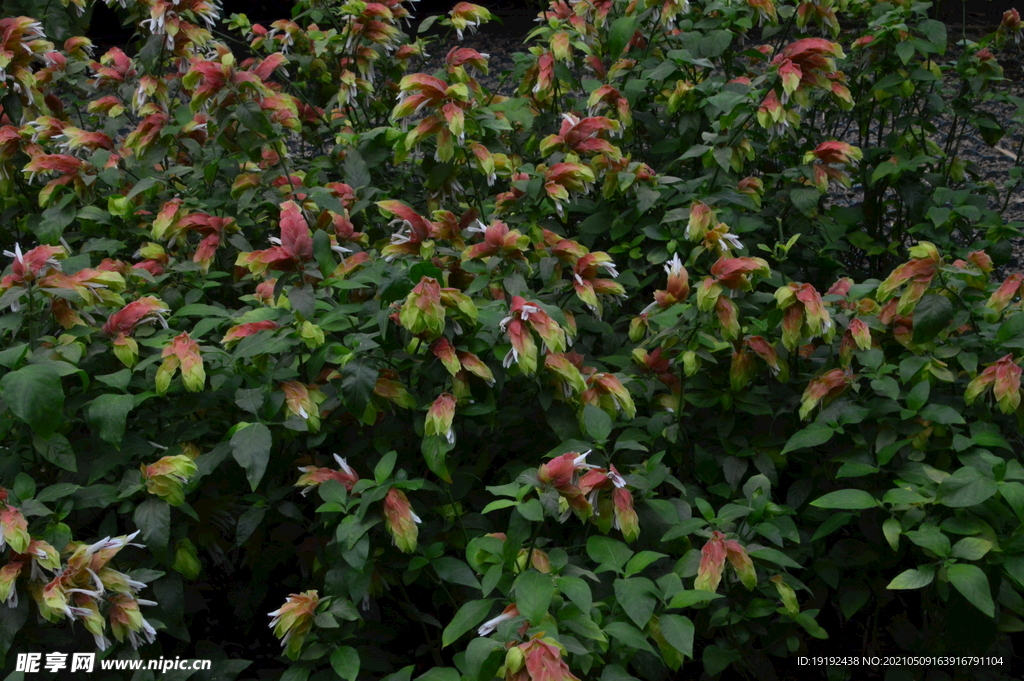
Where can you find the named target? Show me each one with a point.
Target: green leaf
(846, 499)
(619, 34)
(35, 395)
(775, 556)
(481, 661)
(345, 662)
(598, 423)
(435, 450)
(629, 635)
(468, 616)
(805, 200)
(965, 487)
(57, 450)
(577, 591)
(608, 553)
(1011, 329)
(455, 571)
(811, 436)
(534, 591)
(357, 173)
(918, 395)
(931, 538)
(971, 548)
(941, 413)
(250, 446)
(905, 51)
(384, 467)
(931, 315)
(11, 623)
(678, 631)
(58, 491)
(110, 414)
(358, 378)
(834, 522)
(439, 674)
(892, 529)
(684, 599)
(972, 583)
(635, 597)
(641, 560)
(153, 517)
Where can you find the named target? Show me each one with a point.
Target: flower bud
(185, 559)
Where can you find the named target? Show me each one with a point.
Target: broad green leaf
(534, 591)
(684, 599)
(971, 582)
(931, 538)
(345, 662)
(775, 556)
(153, 517)
(455, 571)
(678, 631)
(358, 379)
(931, 315)
(636, 598)
(250, 446)
(913, 579)
(846, 499)
(629, 635)
(577, 591)
(439, 674)
(941, 413)
(384, 467)
(598, 423)
(468, 616)
(892, 529)
(110, 414)
(435, 451)
(621, 31)
(608, 553)
(35, 395)
(57, 450)
(811, 436)
(641, 560)
(481, 661)
(971, 548)
(965, 487)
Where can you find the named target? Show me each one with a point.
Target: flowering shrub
(458, 385)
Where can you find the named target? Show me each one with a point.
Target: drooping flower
(539, 659)
(1003, 376)
(625, 517)
(918, 271)
(313, 476)
(13, 529)
(167, 477)
(401, 521)
(126, 620)
(824, 388)
(422, 313)
(498, 240)
(804, 314)
(510, 612)
(303, 401)
(293, 620)
(712, 563)
(1010, 287)
(240, 331)
(183, 353)
(523, 317)
(440, 417)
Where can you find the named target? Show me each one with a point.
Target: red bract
(290, 252)
(142, 311)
